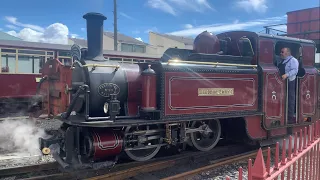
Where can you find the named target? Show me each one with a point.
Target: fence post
(259, 168)
(306, 158)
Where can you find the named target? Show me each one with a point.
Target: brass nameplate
(215, 91)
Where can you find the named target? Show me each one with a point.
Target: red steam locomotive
(227, 87)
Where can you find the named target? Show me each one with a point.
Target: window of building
(138, 60)
(115, 59)
(133, 48)
(125, 60)
(65, 57)
(65, 53)
(139, 48)
(127, 47)
(65, 61)
(25, 64)
(8, 50)
(23, 60)
(8, 63)
(38, 64)
(50, 53)
(30, 64)
(37, 52)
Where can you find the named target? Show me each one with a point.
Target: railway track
(3, 118)
(147, 171)
(122, 170)
(19, 117)
(159, 169)
(215, 164)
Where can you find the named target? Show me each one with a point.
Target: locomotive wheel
(207, 139)
(141, 152)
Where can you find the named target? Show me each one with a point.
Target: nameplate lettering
(215, 91)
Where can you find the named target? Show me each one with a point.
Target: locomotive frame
(118, 107)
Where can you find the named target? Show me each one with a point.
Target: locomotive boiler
(221, 89)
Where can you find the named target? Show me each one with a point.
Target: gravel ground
(23, 160)
(48, 125)
(16, 151)
(231, 170)
(196, 163)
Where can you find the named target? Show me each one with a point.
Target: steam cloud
(20, 136)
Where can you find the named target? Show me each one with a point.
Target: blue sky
(39, 20)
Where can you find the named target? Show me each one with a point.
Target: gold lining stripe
(211, 63)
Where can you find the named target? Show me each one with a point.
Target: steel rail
(163, 164)
(16, 117)
(215, 164)
(120, 171)
(15, 171)
(28, 171)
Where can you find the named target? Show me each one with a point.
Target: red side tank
(207, 43)
(148, 89)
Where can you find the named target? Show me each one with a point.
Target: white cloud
(126, 16)
(176, 6)
(280, 27)
(162, 5)
(188, 26)
(153, 29)
(56, 33)
(13, 33)
(252, 5)
(14, 21)
(192, 5)
(216, 28)
(139, 38)
(10, 26)
(73, 35)
(0, 29)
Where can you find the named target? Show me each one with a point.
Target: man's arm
(294, 64)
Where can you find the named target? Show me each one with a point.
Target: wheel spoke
(141, 151)
(206, 140)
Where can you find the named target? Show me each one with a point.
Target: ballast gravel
(231, 170)
(10, 159)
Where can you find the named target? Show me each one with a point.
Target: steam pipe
(66, 114)
(95, 35)
(37, 100)
(40, 83)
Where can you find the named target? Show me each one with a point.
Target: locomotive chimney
(95, 35)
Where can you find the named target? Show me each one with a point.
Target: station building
(164, 41)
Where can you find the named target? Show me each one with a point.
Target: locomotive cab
(246, 48)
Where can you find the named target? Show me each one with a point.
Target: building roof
(125, 39)
(48, 46)
(33, 45)
(80, 42)
(121, 38)
(307, 9)
(184, 40)
(6, 36)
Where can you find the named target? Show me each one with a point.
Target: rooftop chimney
(95, 35)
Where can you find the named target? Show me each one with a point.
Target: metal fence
(301, 162)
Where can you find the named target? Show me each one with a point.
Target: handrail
(210, 63)
(101, 65)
